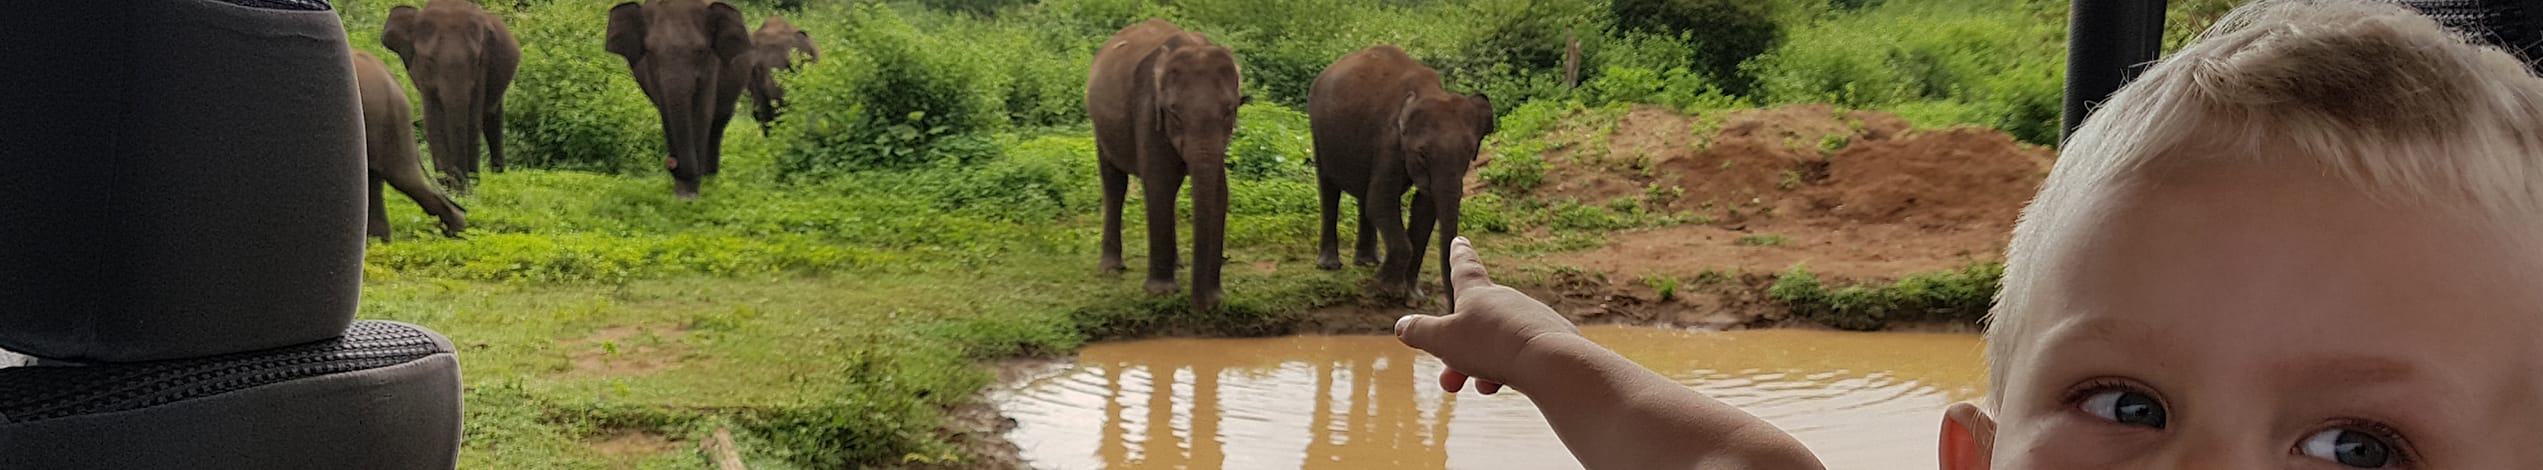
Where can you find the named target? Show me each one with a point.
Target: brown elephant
(1163, 102)
(462, 60)
(688, 56)
(773, 49)
(1383, 125)
(388, 137)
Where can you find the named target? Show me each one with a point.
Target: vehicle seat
(181, 225)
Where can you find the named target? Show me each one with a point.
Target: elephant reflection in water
(1377, 423)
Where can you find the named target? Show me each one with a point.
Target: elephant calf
(1163, 102)
(388, 138)
(1382, 125)
(461, 59)
(772, 49)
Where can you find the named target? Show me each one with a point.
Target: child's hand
(1491, 325)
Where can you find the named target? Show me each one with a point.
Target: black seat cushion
(384, 396)
(30, 394)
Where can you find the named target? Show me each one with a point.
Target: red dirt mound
(1854, 195)
(1940, 180)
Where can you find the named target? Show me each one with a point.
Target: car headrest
(183, 178)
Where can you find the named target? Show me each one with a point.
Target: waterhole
(1859, 400)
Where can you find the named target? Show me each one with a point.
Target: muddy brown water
(1860, 400)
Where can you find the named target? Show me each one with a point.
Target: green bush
(1040, 180)
(893, 97)
(574, 106)
(1722, 33)
(2001, 65)
(1271, 142)
(1531, 119)
(1518, 170)
(1513, 49)
(1963, 295)
(982, 8)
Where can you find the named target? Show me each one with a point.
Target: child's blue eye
(2353, 448)
(2126, 407)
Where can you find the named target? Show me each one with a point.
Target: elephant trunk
(1450, 200)
(1209, 224)
(452, 122)
(683, 122)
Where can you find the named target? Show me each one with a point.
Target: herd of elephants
(1163, 103)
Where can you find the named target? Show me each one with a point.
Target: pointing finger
(1416, 330)
(1465, 266)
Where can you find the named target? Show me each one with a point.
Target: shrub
(982, 8)
(574, 106)
(1722, 33)
(1271, 142)
(1666, 286)
(1040, 180)
(2003, 68)
(1485, 212)
(893, 98)
(1955, 296)
(1517, 171)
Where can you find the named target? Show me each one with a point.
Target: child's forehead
(2269, 243)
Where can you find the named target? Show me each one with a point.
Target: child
(2314, 239)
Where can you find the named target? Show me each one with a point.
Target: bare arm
(1611, 412)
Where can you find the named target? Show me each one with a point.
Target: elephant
(1163, 102)
(388, 138)
(1382, 124)
(689, 57)
(462, 60)
(772, 49)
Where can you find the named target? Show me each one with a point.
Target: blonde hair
(2367, 93)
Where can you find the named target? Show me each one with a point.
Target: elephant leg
(1364, 249)
(1386, 211)
(714, 161)
(494, 134)
(1424, 216)
(1116, 186)
(378, 226)
(409, 179)
(1329, 244)
(1160, 188)
(763, 109)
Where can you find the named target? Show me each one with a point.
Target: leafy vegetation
(1951, 296)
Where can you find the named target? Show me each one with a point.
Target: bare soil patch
(632, 350)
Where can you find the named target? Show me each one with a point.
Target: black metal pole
(2107, 43)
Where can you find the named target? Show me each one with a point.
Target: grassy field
(930, 201)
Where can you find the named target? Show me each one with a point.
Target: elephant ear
(626, 31)
(732, 36)
(803, 40)
(1483, 115)
(398, 34)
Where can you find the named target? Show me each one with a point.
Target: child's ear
(1969, 438)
